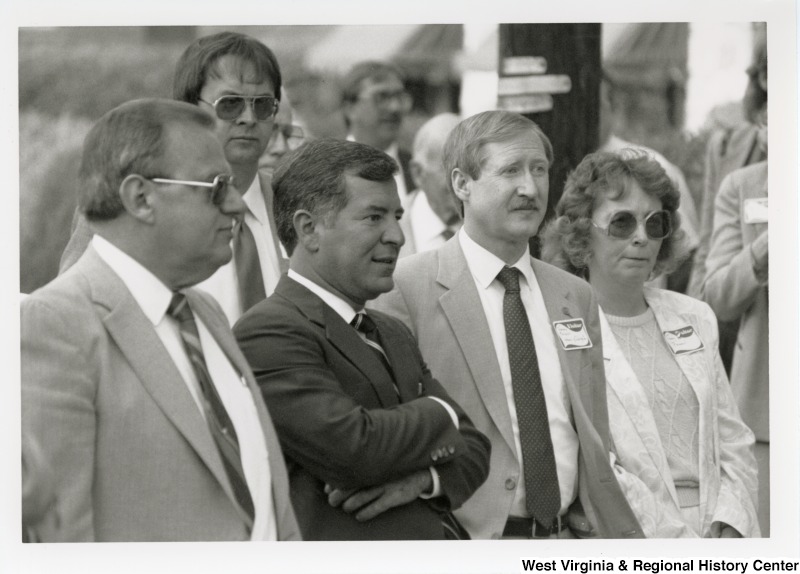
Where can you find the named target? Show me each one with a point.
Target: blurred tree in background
(69, 77)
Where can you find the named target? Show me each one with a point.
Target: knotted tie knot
(364, 323)
(179, 309)
(509, 277)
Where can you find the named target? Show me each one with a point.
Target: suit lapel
(137, 340)
(396, 349)
(343, 337)
(462, 306)
(559, 305)
(219, 329)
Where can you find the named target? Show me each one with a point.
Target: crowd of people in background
(256, 335)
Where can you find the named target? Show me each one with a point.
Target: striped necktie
(219, 423)
(542, 493)
(364, 324)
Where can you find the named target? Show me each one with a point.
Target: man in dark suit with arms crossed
(376, 449)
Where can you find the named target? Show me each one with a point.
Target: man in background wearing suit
(132, 385)
(236, 79)
(376, 449)
(516, 342)
(375, 104)
(433, 185)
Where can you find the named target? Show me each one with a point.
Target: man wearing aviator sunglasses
(237, 80)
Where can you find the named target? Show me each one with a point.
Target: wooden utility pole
(551, 73)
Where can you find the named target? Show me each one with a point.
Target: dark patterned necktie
(543, 498)
(453, 530)
(219, 423)
(248, 267)
(364, 324)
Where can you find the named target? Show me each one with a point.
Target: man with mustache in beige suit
(516, 342)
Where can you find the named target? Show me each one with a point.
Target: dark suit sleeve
(326, 430)
(463, 475)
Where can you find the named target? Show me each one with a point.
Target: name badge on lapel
(683, 341)
(755, 210)
(572, 334)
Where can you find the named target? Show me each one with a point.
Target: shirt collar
(254, 200)
(485, 265)
(342, 307)
(149, 292)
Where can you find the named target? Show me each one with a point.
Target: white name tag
(755, 210)
(572, 334)
(683, 341)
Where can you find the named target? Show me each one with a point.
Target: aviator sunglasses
(219, 187)
(231, 107)
(623, 224)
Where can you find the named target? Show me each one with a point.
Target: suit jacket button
(511, 484)
(451, 449)
(434, 455)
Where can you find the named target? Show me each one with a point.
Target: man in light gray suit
(516, 342)
(132, 384)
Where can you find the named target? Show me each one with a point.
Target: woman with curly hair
(674, 422)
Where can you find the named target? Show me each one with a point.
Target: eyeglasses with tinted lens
(623, 224)
(232, 106)
(293, 135)
(219, 187)
(383, 99)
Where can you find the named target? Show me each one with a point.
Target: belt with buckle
(531, 528)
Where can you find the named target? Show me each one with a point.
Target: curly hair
(602, 175)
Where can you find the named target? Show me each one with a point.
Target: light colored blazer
(436, 297)
(726, 151)
(735, 292)
(133, 458)
(728, 472)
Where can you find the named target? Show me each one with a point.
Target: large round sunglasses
(623, 224)
(219, 187)
(231, 107)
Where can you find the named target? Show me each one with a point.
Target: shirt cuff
(436, 489)
(449, 409)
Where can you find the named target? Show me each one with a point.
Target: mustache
(527, 204)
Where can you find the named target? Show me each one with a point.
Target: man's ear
(460, 181)
(135, 192)
(762, 79)
(306, 226)
(415, 169)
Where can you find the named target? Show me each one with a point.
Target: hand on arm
(371, 502)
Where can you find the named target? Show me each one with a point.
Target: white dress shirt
(422, 226)
(484, 267)
(223, 285)
(154, 298)
(347, 313)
